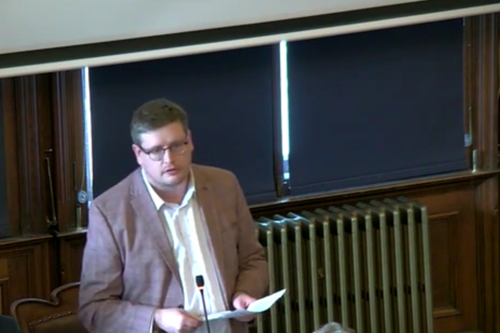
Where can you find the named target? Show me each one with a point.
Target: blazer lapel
(209, 208)
(149, 219)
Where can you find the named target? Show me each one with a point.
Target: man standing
(169, 221)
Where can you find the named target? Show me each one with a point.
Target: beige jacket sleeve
(100, 307)
(253, 277)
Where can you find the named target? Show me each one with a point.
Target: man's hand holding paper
(252, 309)
(241, 301)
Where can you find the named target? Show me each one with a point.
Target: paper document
(258, 306)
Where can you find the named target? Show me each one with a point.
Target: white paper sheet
(256, 307)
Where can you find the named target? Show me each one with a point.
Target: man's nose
(168, 156)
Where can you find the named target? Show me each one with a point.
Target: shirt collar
(158, 202)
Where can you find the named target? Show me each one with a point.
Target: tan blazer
(129, 268)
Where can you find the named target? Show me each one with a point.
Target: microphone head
(200, 282)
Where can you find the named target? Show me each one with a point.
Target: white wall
(37, 24)
(37, 27)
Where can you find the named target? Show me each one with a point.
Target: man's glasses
(157, 154)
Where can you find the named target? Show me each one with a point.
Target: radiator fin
(366, 266)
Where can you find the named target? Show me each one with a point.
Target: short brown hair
(156, 114)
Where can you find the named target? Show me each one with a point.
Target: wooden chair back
(59, 315)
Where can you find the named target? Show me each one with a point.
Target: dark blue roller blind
(229, 99)
(4, 217)
(375, 107)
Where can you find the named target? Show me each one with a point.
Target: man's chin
(171, 181)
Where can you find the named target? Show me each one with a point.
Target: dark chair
(8, 325)
(59, 315)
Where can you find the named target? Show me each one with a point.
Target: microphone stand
(200, 283)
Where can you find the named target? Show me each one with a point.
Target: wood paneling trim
(26, 267)
(44, 132)
(445, 264)
(71, 254)
(11, 157)
(15, 242)
(484, 34)
(437, 183)
(488, 237)
(4, 285)
(454, 257)
(467, 78)
(29, 101)
(484, 69)
(69, 124)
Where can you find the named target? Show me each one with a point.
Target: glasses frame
(177, 148)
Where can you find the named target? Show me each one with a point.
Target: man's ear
(137, 152)
(136, 149)
(190, 138)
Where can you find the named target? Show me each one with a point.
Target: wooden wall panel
(25, 270)
(4, 286)
(443, 234)
(28, 107)
(484, 86)
(453, 229)
(69, 157)
(71, 254)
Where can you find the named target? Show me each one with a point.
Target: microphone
(200, 283)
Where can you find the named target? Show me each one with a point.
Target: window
(285, 129)
(228, 96)
(375, 107)
(355, 110)
(88, 134)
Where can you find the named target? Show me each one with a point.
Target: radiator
(366, 266)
